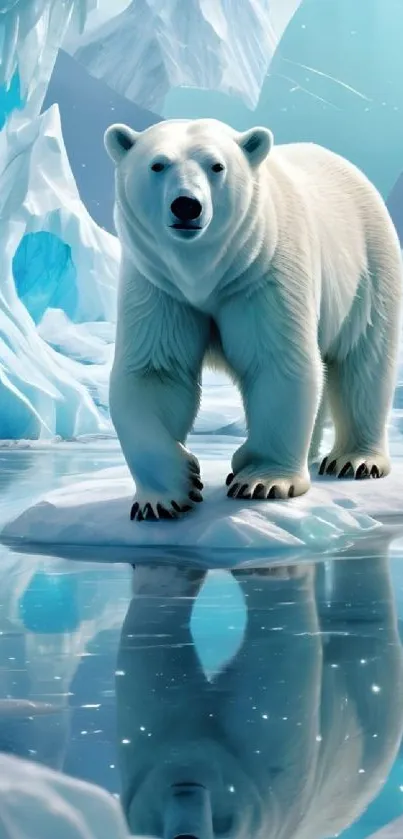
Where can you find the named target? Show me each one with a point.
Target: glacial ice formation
(44, 198)
(210, 44)
(31, 32)
(45, 390)
(41, 393)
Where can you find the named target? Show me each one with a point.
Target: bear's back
(322, 172)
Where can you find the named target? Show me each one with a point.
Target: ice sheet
(94, 512)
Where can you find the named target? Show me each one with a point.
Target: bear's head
(186, 181)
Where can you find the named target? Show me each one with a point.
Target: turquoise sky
(336, 79)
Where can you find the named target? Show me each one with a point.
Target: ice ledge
(94, 515)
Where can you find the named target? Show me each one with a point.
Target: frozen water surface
(274, 677)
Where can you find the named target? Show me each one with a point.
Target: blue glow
(45, 275)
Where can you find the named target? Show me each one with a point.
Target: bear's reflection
(294, 737)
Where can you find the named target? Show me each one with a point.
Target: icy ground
(91, 511)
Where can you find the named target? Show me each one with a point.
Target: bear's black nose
(186, 209)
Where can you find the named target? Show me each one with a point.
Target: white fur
(296, 273)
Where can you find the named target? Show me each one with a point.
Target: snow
(89, 343)
(94, 513)
(208, 44)
(38, 802)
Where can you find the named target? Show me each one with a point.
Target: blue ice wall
(10, 99)
(45, 275)
(336, 79)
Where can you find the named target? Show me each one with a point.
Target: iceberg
(36, 801)
(31, 32)
(208, 44)
(38, 196)
(54, 256)
(41, 394)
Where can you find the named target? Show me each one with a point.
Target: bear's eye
(157, 167)
(217, 167)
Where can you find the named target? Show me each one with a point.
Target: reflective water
(278, 690)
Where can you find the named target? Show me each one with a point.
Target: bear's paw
(150, 506)
(357, 465)
(257, 483)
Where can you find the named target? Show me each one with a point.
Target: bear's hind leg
(360, 389)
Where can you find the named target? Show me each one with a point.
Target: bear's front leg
(273, 462)
(154, 397)
(151, 414)
(278, 366)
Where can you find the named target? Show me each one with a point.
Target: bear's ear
(256, 144)
(118, 140)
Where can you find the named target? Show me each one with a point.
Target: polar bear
(279, 262)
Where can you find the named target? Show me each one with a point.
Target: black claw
(140, 516)
(331, 467)
(197, 483)
(176, 507)
(362, 472)
(348, 467)
(291, 491)
(194, 469)
(272, 492)
(163, 513)
(149, 514)
(375, 472)
(195, 496)
(186, 508)
(243, 492)
(229, 479)
(259, 491)
(134, 511)
(323, 466)
(233, 491)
